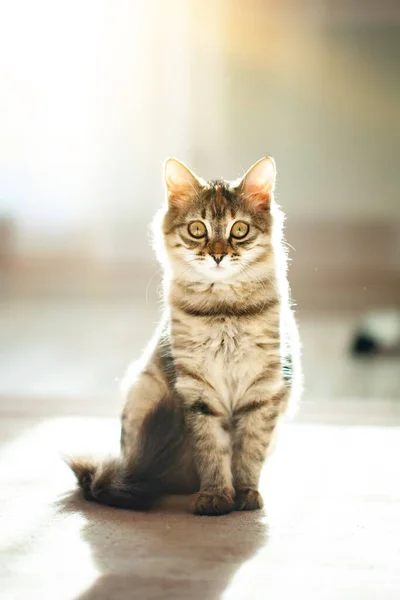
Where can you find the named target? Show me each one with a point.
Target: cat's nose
(218, 257)
(218, 251)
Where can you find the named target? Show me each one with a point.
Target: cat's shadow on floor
(166, 553)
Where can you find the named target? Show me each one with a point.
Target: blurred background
(94, 95)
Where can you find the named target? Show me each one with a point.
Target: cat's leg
(210, 440)
(255, 422)
(143, 391)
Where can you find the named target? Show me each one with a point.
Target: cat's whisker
(157, 272)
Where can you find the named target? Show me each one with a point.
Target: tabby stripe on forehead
(219, 201)
(226, 310)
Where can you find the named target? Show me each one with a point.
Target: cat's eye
(239, 230)
(197, 229)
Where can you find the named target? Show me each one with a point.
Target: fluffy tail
(136, 482)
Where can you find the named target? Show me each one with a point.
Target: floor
(331, 527)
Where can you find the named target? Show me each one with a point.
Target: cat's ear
(258, 184)
(181, 183)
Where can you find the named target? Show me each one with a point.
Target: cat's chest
(223, 339)
(231, 356)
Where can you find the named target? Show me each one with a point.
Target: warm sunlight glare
(37, 533)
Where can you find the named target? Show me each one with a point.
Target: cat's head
(218, 230)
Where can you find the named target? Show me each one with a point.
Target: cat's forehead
(218, 200)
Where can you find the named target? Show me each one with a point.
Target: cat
(202, 407)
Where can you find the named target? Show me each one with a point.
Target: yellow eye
(239, 230)
(197, 229)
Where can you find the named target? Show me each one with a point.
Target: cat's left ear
(257, 186)
(182, 184)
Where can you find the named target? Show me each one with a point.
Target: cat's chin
(219, 273)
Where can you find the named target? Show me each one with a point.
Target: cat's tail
(135, 482)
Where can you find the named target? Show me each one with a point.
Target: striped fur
(203, 405)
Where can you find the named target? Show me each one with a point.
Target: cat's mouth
(219, 272)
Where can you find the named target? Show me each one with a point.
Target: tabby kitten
(202, 409)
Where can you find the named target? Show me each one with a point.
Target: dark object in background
(378, 334)
(364, 344)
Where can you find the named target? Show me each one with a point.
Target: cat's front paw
(213, 503)
(248, 499)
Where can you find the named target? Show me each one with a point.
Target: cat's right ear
(181, 183)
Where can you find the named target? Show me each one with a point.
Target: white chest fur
(230, 354)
